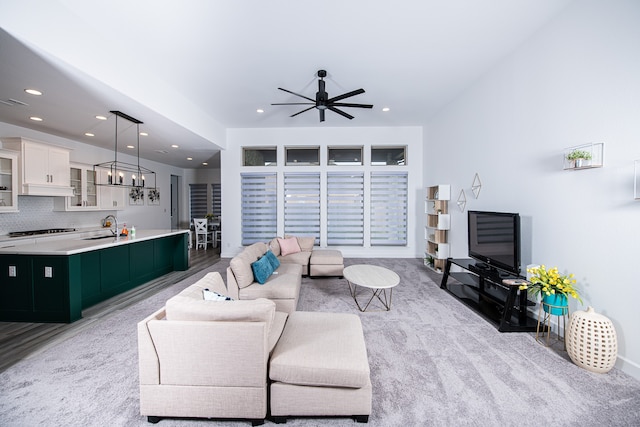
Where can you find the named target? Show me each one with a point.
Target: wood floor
(19, 340)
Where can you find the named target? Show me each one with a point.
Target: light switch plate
(12, 271)
(48, 272)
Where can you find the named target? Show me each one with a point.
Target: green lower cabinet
(57, 288)
(141, 260)
(16, 293)
(115, 271)
(90, 278)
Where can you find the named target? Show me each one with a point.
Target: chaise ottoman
(326, 262)
(320, 368)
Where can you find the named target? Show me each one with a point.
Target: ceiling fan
(323, 102)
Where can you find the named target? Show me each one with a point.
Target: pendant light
(121, 174)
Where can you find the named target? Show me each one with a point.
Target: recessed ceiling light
(189, 158)
(35, 119)
(89, 134)
(174, 146)
(205, 164)
(260, 110)
(33, 92)
(385, 109)
(130, 146)
(144, 134)
(101, 118)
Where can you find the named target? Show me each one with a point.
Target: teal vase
(555, 304)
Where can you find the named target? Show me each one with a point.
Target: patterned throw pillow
(262, 269)
(273, 260)
(214, 296)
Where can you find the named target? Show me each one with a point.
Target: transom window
(302, 156)
(259, 156)
(388, 156)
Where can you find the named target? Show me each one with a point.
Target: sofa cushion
(284, 283)
(321, 349)
(301, 258)
(241, 263)
(186, 308)
(306, 243)
(273, 260)
(275, 246)
(262, 269)
(288, 246)
(212, 281)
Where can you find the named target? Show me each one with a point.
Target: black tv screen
(494, 239)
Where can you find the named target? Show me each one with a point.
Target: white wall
(142, 217)
(577, 81)
(231, 160)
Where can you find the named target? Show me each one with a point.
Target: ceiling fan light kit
(323, 103)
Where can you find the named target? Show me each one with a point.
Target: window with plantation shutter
(259, 207)
(198, 200)
(389, 208)
(302, 204)
(345, 208)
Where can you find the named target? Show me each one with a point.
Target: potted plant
(552, 287)
(577, 157)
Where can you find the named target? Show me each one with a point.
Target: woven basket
(591, 341)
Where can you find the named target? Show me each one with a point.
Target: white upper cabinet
(43, 168)
(8, 181)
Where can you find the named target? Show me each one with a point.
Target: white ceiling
(193, 68)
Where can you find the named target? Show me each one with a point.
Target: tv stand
(484, 291)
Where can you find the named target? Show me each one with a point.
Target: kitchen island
(54, 279)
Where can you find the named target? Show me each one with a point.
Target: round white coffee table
(377, 279)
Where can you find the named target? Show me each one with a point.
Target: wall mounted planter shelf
(594, 157)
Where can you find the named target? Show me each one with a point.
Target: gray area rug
(433, 363)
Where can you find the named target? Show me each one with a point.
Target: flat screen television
(494, 240)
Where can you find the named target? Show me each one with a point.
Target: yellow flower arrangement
(549, 282)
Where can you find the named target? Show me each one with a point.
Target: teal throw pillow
(262, 269)
(273, 260)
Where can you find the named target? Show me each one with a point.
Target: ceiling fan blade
(346, 104)
(342, 113)
(295, 103)
(297, 94)
(321, 115)
(346, 95)
(306, 109)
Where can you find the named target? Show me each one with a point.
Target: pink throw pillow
(288, 246)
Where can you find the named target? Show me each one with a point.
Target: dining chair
(202, 232)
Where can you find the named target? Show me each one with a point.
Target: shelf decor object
(636, 179)
(476, 186)
(591, 341)
(462, 201)
(586, 156)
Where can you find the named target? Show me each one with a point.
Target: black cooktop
(37, 232)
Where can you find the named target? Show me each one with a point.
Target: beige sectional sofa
(216, 359)
(207, 359)
(282, 287)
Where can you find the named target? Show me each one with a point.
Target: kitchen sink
(99, 237)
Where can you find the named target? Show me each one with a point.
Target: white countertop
(77, 242)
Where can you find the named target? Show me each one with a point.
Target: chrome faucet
(115, 221)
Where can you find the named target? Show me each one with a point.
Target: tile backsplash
(36, 213)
